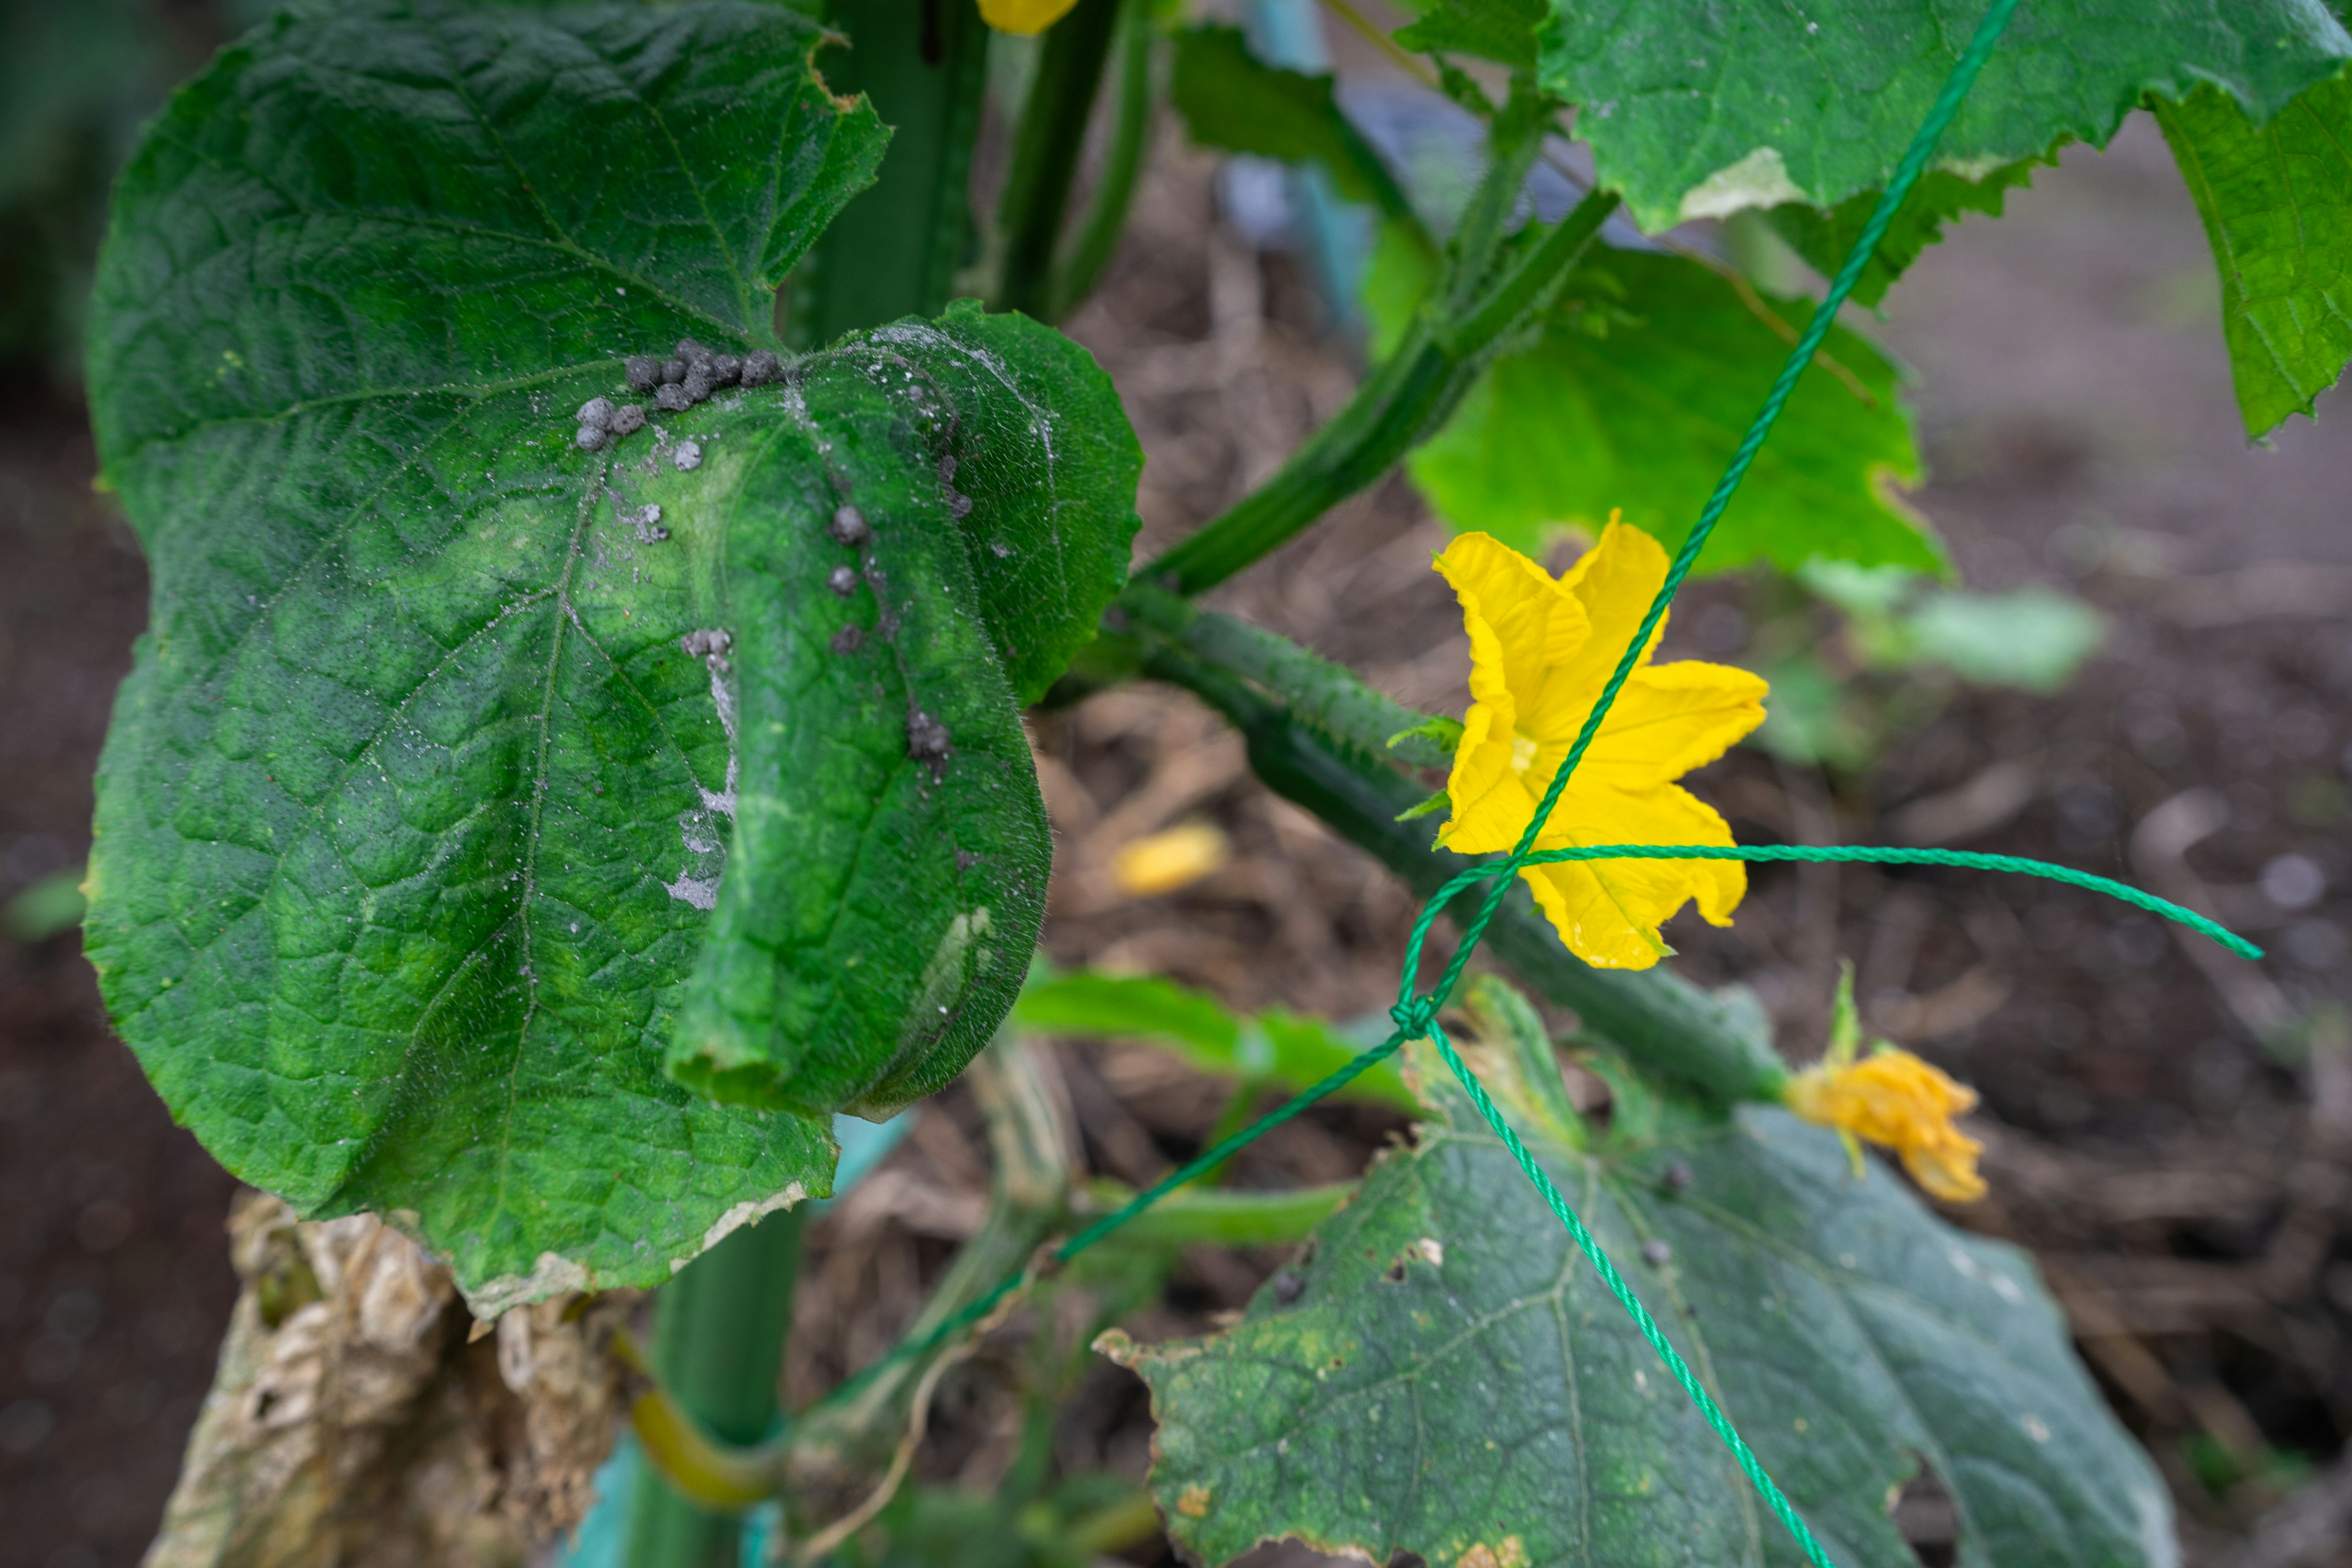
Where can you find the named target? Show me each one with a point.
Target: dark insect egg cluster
(676, 384)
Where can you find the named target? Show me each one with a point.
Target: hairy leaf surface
(1446, 1375)
(1697, 109)
(1634, 394)
(412, 817)
(2278, 204)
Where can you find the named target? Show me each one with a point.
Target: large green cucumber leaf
(2278, 204)
(1634, 394)
(1823, 238)
(413, 822)
(1444, 1374)
(1696, 109)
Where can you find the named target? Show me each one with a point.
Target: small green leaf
(1444, 732)
(1697, 110)
(1499, 30)
(412, 817)
(1454, 1381)
(1823, 238)
(2278, 204)
(1280, 1048)
(1634, 396)
(49, 906)
(1232, 99)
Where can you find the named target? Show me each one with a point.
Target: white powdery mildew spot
(698, 826)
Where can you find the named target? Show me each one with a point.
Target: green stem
(1404, 399)
(718, 1352)
(1045, 154)
(1331, 697)
(894, 250)
(1081, 265)
(1220, 1217)
(1658, 1017)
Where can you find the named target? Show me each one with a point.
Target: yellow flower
(1540, 650)
(1174, 857)
(1892, 1099)
(1023, 16)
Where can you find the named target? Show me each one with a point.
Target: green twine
(1416, 1017)
(1865, 855)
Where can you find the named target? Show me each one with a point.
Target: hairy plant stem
(1045, 154)
(1663, 1021)
(1328, 695)
(1405, 399)
(1089, 251)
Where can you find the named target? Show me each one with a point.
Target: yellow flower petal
(1537, 625)
(1670, 718)
(1614, 580)
(1176, 857)
(1023, 16)
(1892, 1099)
(1609, 912)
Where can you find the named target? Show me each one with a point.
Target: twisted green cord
(1865, 855)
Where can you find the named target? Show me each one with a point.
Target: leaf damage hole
(1923, 1510)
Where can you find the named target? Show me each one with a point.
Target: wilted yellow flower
(1540, 649)
(1174, 857)
(1024, 16)
(1892, 1099)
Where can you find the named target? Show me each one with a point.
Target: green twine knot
(1413, 1016)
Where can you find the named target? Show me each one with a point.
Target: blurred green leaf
(1233, 100)
(1634, 396)
(2278, 204)
(2033, 640)
(1503, 31)
(1823, 237)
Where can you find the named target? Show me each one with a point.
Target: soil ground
(2185, 1188)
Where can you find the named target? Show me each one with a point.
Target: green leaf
(1453, 1379)
(1277, 1046)
(1697, 109)
(2278, 204)
(1499, 30)
(1823, 238)
(1232, 99)
(411, 819)
(1636, 394)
